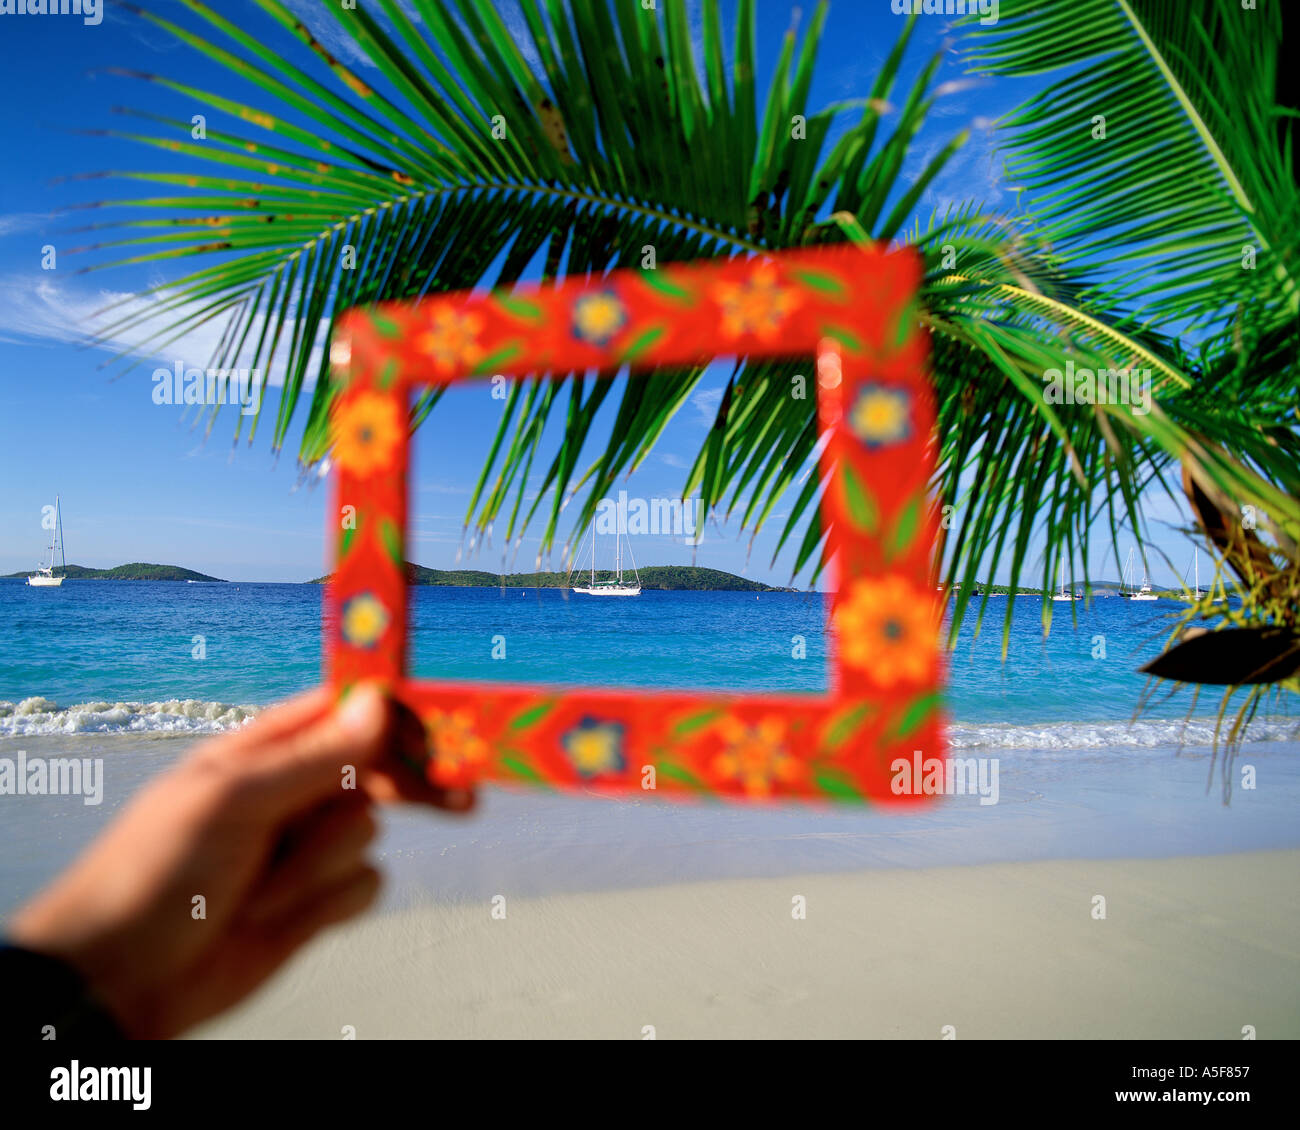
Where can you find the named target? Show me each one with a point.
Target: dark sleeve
(42, 992)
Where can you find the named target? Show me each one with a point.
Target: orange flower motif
(758, 306)
(456, 745)
(451, 341)
(887, 627)
(367, 430)
(755, 755)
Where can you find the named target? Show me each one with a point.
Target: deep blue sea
(132, 656)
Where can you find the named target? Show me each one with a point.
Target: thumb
(306, 767)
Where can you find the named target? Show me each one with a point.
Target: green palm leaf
(465, 158)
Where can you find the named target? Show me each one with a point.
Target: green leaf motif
(861, 503)
(694, 722)
(386, 326)
(388, 373)
(660, 282)
(917, 712)
(519, 308)
(905, 527)
(642, 342)
(533, 715)
(675, 772)
(391, 537)
(847, 723)
(821, 282)
(837, 785)
(495, 360)
(849, 341)
(345, 542)
(521, 768)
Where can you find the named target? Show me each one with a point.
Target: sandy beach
(1194, 947)
(623, 914)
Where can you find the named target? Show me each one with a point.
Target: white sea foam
(39, 715)
(1145, 733)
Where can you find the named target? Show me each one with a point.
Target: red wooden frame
(851, 307)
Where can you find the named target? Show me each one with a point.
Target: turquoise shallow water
(99, 656)
(105, 670)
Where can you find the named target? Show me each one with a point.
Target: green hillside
(135, 571)
(675, 577)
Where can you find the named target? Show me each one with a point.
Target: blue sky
(138, 482)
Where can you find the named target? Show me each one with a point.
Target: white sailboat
(615, 587)
(1144, 592)
(1135, 592)
(1197, 594)
(44, 577)
(1061, 596)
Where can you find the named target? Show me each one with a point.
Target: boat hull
(610, 590)
(44, 582)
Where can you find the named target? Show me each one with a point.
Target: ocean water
(107, 670)
(137, 656)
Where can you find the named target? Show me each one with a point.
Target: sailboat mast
(54, 536)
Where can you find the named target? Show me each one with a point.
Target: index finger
(307, 766)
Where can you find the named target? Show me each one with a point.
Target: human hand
(261, 825)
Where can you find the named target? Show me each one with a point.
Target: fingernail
(363, 712)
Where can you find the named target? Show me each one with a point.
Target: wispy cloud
(512, 16)
(706, 402)
(16, 222)
(328, 32)
(49, 309)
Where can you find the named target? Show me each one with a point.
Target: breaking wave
(1146, 733)
(41, 716)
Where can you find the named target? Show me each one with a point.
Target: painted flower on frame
(365, 620)
(760, 305)
(598, 317)
(594, 747)
(367, 431)
(887, 628)
(452, 340)
(457, 746)
(755, 756)
(881, 416)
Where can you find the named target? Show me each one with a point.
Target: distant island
(1095, 588)
(136, 571)
(676, 577)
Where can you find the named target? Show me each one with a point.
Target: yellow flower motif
(595, 747)
(365, 620)
(451, 341)
(598, 317)
(887, 628)
(456, 745)
(755, 755)
(881, 416)
(759, 305)
(367, 430)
